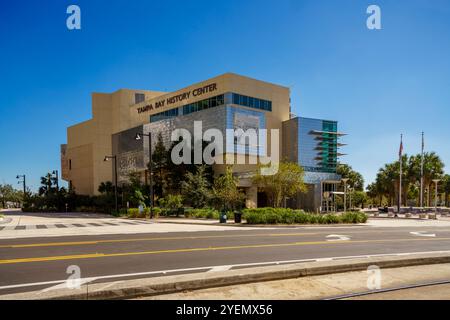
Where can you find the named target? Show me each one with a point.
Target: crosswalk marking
(73, 225)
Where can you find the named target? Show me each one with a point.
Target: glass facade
(328, 146)
(252, 102)
(216, 101)
(317, 145)
(164, 115)
(203, 104)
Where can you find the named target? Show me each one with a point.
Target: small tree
(226, 193)
(359, 198)
(174, 202)
(196, 188)
(287, 182)
(7, 193)
(138, 198)
(106, 187)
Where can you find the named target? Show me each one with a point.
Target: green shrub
(156, 212)
(188, 212)
(331, 219)
(301, 218)
(202, 213)
(354, 217)
(133, 212)
(120, 213)
(289, 216)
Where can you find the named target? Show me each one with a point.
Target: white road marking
(324, 259)
(337, 237)
(220, 268)
(64, 285)
(423, 234)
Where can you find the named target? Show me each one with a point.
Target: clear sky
(377, 84)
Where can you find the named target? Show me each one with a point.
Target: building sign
(179, 98)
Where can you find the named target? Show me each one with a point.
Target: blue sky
(377, 84)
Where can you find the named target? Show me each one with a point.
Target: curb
(244, 225)
(164, 285)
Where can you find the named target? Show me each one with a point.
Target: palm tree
(433, 169)
(446, 188)
(356, 180)
(47, 183)
(387, 181)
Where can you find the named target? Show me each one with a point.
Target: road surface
(31, 264)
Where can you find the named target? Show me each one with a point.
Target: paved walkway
(27, 225)
(405, 222)
(327, 286)
(16, 224)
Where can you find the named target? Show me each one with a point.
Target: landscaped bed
(266, 216)
(289, 216)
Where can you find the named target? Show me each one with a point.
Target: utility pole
(401, 174)
(421, 170)
(23, 182)
(344, 180)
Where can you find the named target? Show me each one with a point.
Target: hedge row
(289, 216)
(206, 213)
(188, 213)
(134, 213)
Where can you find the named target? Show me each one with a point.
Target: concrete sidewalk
(327, 286)
(29, 225)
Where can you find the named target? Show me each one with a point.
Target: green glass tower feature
(328, 147)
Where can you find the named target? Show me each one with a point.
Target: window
(235, 98)
(204, 104)
(70, 164)
(139, 97)
(251, 102)
(164, 115)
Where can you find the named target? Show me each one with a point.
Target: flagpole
(401, 174)
(421, 171)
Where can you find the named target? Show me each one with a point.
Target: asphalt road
(31, 264)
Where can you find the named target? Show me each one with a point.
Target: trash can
(223, 217)
(237, 217)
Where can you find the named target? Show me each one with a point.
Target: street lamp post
(55, 172)
(24, 183)
(152, 196)
(345, 180)
(350, 194)
(107, 158)
(436, 181)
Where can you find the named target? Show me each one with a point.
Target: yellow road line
(77, 243)
(105, 255)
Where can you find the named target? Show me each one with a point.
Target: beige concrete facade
(82, 159)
